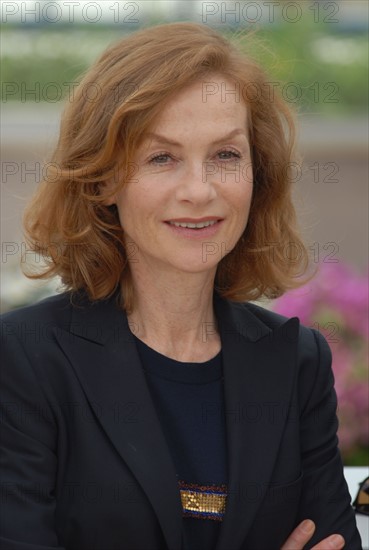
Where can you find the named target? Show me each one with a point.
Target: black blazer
(85, 464)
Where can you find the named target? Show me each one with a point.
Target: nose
(195, 185)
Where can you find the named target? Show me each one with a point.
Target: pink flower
(335, 302)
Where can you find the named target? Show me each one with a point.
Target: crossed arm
(303, 533)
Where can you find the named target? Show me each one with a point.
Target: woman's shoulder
(68, 312)
(51, 309)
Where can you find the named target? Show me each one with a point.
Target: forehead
(213, 102)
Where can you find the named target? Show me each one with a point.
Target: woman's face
(187, 203)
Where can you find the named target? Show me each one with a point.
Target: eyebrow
(165, 140)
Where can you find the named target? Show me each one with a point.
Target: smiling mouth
(191, 225)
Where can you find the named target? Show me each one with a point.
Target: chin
(196, 266)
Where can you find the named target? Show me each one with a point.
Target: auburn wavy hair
(80, 238)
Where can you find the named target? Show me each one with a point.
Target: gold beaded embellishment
(203, 501)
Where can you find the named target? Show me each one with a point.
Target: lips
(195, 227)
(194, 223)
(191, 225)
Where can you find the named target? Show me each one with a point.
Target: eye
(160, 158)
(228, 154)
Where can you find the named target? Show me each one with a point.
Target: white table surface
(354, 475)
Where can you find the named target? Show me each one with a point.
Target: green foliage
(318, 69)
(328, 82)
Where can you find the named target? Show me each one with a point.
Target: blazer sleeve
(28, 457)
(325, 495)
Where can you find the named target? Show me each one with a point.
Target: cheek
(137, 206)
(247, 171)
(244, 190)
(248, 181)
(128, 199)
(242, 199)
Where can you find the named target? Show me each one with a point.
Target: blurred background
(316, 53)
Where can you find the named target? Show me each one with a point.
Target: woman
(151, 405)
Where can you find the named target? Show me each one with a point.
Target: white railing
(354, 476)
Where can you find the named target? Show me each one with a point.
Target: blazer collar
(257, 365)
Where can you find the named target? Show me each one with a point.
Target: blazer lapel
(102, 351)
(258, 365)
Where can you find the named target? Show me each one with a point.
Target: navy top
(189, 401)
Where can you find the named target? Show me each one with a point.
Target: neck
(173, 314)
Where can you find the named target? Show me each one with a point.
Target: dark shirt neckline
(160, 365)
